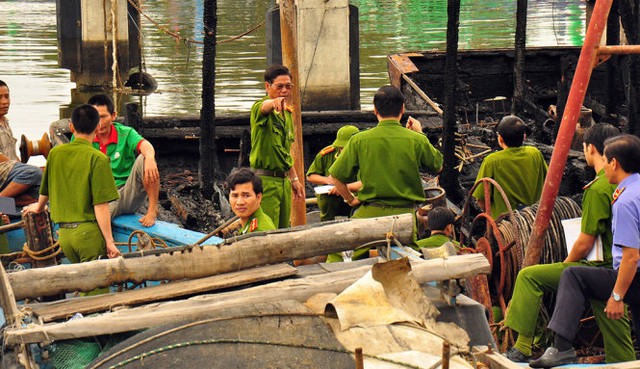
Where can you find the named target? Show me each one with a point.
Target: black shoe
(552, 357)
(516, 356)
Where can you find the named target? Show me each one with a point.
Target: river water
(41, 92)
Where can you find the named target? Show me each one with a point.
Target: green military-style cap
(344, 134)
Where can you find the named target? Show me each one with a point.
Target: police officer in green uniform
(519, 170)
(532, 282)
(271, 138)
(331, 204)
(245, 195)
(440, 222)
(79, 183)
(388, 160)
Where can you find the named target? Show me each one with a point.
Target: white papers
(323, 190)
(571, 233)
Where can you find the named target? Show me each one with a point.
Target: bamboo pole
(198, 262)
(586, 62)
(288, 27)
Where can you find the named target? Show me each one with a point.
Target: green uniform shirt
(77, 177)
(122, 149)
(258, 222)
(436, 240)
(330, 205)
(520, 171)
(271, 139)
(596, 212)
(389, 159)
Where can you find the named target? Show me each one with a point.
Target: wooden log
(203, 307)
(7, 299)
(198, 262)
(86, 305)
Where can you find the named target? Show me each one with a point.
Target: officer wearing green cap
(331, 204)
(388, 160)
(271, 139)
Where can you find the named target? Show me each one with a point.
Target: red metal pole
(586, 62)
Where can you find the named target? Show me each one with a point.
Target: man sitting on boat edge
(17, 180)
(80, 185)
(245, 196)
(137, 178)
(519, 170)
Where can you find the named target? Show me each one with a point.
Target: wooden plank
(202, 307)
(196, 262)
(66, 308)
(7, 299)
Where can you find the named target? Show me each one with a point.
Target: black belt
(270, 173)
(386, 206)
(74, 224)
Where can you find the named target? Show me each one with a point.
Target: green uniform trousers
(524, 308)
(84, 243)
(4, 242)
(368, 211)
(276, 200)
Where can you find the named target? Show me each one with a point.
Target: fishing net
(78, 353)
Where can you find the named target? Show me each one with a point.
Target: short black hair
(598, 134)
(439, 218)
(244, 175)
(85, 119)
(512, 130)
(274, 71)
(3, 84)
(626, 150)
(102, 100)
(388, 101)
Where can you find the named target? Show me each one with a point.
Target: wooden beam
(85, 305)
(203, 307)
(7, 299)
(197, 262)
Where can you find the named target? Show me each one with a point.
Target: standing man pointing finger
(271, 139)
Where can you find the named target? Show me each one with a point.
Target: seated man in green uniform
(532, 282)
(271, 139)
(133, 162)
(331, 204)
(440, 222)
(519, 170)
(79, 183)
(388, 160)
(245, 194)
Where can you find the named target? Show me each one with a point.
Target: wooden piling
(520, 46)
(208, 158)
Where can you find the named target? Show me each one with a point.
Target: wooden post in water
(289, 58)
(520, 46)
(631, 24)
(449, 176)
(208, 158)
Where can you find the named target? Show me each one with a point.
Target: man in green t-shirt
(440, 222)
(271, 139)
(331, 204)
(133, 163)
(519, 170)
(78, 182)
(388, 160)
(532, 282)
(245, 195)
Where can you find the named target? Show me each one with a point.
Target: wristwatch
(616, 297)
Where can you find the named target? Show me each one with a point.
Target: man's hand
(151, 174)
(279, 104)
(32, 208)
(298, 190)
(614, 309)
(355, 202)
(414, 124)
(112, 250)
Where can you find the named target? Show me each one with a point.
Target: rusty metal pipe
(359, 358)
(586, 62)
(619, 49)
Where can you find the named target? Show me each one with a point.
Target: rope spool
(34, 148)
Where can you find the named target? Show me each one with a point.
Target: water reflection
(28, 49)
